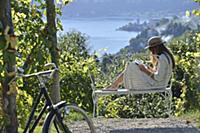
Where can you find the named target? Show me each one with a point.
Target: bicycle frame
(49, 104)
(43, 91)
(53, 109)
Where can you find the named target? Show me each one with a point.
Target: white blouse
(164, 70)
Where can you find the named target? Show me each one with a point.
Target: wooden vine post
(8, 43)
(53, 48)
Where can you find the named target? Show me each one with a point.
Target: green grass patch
(38, 129)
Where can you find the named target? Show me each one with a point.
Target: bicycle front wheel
(69, 119)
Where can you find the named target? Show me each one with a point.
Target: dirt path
(161, 125)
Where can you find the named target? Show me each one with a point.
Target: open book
(137, 62)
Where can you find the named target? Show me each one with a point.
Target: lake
(102, 33)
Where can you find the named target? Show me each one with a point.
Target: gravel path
(150, 125)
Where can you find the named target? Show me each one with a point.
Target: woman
(140, 76)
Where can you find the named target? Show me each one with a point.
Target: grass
(192, 117)
(38, 129)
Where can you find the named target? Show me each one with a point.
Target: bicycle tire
(75, 120)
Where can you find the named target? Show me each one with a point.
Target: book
(137, 62)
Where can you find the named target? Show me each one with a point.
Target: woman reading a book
(140, 76)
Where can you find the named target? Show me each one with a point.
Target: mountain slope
(99, 8)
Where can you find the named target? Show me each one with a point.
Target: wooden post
(9, 91)
(52, 44)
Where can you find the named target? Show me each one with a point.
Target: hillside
(137, 8)
(165, 27)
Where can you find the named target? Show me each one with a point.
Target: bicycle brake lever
(50, 65)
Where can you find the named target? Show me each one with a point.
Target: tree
(52, 43)
(77, 64)
(8, 42)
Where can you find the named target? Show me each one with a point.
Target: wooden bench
(166, 92)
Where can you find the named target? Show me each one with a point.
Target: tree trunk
(52, 42)
(9, 92)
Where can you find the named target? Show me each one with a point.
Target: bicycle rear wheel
(73, 118)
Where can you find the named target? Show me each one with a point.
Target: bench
(166, 92)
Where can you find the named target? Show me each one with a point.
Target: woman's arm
(158, 74)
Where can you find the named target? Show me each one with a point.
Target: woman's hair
(160, 49)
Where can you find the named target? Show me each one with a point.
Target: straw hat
(154, 41)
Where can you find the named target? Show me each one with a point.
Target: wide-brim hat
(154, 41)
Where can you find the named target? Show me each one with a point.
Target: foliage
(30, 27)
(28, 19)
(186, 86)
(197, 11)
(75, 82)
(76, 66)
(24, 106)
(194, 11)
(133, 106)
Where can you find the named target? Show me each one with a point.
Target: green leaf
(67, 1)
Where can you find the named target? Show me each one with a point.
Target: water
(102, 33)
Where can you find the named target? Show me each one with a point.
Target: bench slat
(127, 91)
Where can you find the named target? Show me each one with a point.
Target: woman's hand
(142, 67)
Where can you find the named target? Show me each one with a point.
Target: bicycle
(61, 117)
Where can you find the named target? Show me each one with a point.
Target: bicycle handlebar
(36, 74)
(21, 71)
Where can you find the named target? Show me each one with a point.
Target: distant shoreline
(100, 18)
(101, 32)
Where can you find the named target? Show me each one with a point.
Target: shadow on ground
(156, 130)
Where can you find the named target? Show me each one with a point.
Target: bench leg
(168, 99)
(97, 110)
(94, 103)
(94, 109)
